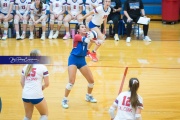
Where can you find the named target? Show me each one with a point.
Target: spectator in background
(6, 14)
(115, 16)
(38, 14)
(57, 9)
(22, 10)
(133, 10)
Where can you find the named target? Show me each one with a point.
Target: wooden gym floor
(155, 64)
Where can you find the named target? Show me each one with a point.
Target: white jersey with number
(100, 15)
(75, 5)
(124, 109)
(33, 82)
(93, 4)
(23, 5)
(5, 6)
(57, 5)
(35, 10)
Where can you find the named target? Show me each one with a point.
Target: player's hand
(81, 19)
(129, 19)
(56, 15)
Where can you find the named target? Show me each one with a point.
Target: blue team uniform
(79, 51)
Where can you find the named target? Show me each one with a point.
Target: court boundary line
(123, 79)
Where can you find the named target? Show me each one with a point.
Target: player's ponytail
(30, 66)
(40, 7)
(134, 85)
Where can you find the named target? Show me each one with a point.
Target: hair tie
(135, 81)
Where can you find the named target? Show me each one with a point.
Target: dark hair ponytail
(40, 7)
(134, 85)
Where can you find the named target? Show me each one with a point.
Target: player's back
(33, 82)
(124, 109)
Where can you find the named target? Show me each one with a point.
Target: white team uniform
(22, 6)
(75, 6)
(5, 6)
(35, 10)
(124, 109)
(91, 4)
(100, 15)
(33, 83)
(57, 5)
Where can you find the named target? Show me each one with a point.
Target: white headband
(135, 81)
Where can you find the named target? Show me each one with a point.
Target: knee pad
(66, 24)
(51, 21)
(69, 86)
(87, 24)
(31, 23)
(91, 85)
(24, 21)
(25, 118)
(59, 23)
(43, 117)
(43, 23)
(80, 23)
(5, 24)
(16, 21)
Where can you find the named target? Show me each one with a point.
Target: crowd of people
(62, 12)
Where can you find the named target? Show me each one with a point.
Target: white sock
(31, 33)
(67, 33)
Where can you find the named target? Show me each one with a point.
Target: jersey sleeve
(68, 3)
(77, 38)
(29, 2)
(125, 6)
(45, 71)
(44, 8)
(50, 2)
(141, 102)
(97, 9)
(64, 3)
(81, 3)
(12, 1)
(87, 2)
(32, 7)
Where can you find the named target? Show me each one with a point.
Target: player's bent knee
(5, 24)
(43, 117)
(66, 24)
(59, 22)
(51, 22)
(16, 21)
(43, 23)
(31, 23)
(24, 21)
(69, 86)
(91, 85)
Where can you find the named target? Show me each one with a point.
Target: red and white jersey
(33, 82)
(93, 4)
(75, 5)
(100, 15)
(57, 5)
(35, 10)
(5, 6)
(22, 5)
(124, 109)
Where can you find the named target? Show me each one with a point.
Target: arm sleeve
(45, 71)
(77, 38)
(141, 5)
(97, 9)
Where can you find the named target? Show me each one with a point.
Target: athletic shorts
(33, 101)
(6, 13)
(92, 25)
(78, 61)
